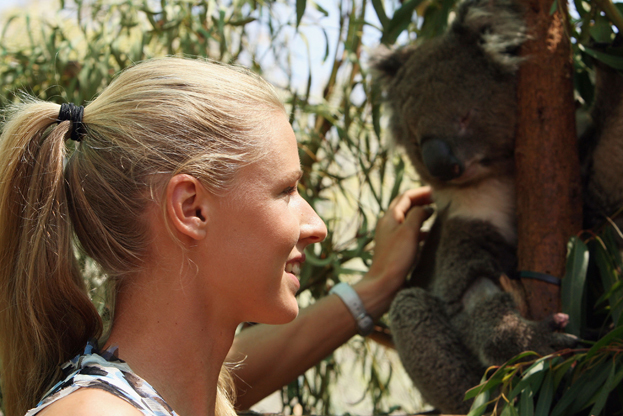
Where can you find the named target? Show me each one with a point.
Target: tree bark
(547, 165)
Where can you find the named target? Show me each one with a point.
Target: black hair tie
(74, 114)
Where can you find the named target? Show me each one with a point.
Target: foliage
(349, 175)
(571, 381)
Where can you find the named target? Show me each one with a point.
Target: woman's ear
(187, 203)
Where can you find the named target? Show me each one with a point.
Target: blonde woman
(183, 187)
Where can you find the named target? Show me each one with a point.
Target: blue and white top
(104, 371)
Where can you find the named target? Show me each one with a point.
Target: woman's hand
(396, 243)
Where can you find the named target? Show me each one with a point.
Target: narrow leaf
(613, 61)
(380, 13)
(572, 290)
(300, 11)
(545, 395)
(603, 394)
(399, 22)
(531, 379)
(526, 403)
(615, 334)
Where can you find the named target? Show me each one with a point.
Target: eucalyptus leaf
(531, 379)
(399, 21)
(581, 390)
(613, 61)
(545, 395)
(572, 290)
(601, 30)
(380, 13)
(616, 335)
(614, 378)
(300, 11)
(526, 402)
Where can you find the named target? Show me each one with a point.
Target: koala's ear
(497, 25)
(385, 62)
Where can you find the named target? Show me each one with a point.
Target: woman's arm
(274, 355)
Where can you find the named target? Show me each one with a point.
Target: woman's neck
(171, 338)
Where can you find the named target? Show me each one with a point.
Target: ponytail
(46, 317)
(156, 119)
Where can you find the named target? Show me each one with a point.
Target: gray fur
(458, 92)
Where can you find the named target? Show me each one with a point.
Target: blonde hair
(156, 119)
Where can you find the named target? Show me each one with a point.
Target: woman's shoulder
(91, 402)
(96, 382)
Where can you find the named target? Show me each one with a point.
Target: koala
(452, 103)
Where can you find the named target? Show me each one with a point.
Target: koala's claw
(559, 320)
(558, 340)
(562, 341)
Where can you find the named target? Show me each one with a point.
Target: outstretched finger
(417, 215)
(399, 207)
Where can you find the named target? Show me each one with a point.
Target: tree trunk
(548, 182)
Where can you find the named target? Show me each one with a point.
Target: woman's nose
(313, 229)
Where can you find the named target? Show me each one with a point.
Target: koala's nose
(440, 161)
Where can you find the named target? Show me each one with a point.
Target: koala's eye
(512, 50)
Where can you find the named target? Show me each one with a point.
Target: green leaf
(613, 380)
(478, 411)
(561, 370)
(241, 22)
(380, 13)
(579, 7)
(601, 30)
(399, 170)
(554, 7)
(526, 402)
(614, 335)
(399, 22)
(613, 61)
(582, 389)
(312, 259)
(492, 382)
(508, 410)
(595, 379)
(531, 379)
(300, 11)
(321, 10)
(572, 290)
(608, 261)
(545, 395)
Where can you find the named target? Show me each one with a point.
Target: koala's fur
(453, 104)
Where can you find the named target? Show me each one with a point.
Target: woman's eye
(289, 190)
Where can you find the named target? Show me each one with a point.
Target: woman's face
(257, 234)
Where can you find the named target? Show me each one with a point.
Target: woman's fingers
(403, 203)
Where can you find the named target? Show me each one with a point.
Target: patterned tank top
(104, 371)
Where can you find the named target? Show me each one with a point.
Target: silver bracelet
(365, 324)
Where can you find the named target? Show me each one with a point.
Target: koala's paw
(550, 340)
(514, 335)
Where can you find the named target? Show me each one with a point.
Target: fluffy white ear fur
(501, 26)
